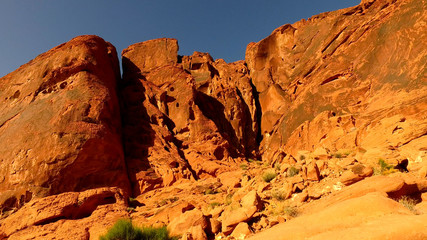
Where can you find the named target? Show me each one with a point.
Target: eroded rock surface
(60, 123)
(345, 79)
(184, 117)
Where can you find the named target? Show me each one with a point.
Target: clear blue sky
(221, 27)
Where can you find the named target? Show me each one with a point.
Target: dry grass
(268, 176)
(409, 203)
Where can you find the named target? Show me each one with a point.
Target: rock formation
(184, 117)
(324, 117)
(60, 126)
(344, 80)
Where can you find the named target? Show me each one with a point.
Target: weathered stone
(372, 216)
(60, 123)
(338, 88)
(41, 217)
(185, 221)
(241, 231)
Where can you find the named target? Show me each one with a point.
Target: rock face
(183, 116)
(60, 123)
(345, 79)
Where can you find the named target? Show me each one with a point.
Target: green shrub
(210, 191)
(228, 199)
(130, 209)
(385, 167)
(277, 166)
(214, 204)
(124, 230)
(244, 166)
(278, 195)
(292, 171)
(268, 176)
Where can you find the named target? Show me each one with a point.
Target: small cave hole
(63, 85)
(16, 94)
(196, 66)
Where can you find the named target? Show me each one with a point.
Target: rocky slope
(324, 117)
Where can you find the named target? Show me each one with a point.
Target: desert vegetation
(125, 230)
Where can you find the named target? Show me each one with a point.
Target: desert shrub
(291, 211)
(268, 176)
(278, 195)
(130, 209)
(385, 168)
(214, 204)
(210, 191)
(243, 166)
(283, 208)
(301, 157)
(409, 203)
(292, 171)
(358, 169)
(166, 201)
(228, 199)
(277, 166)
(124, 230)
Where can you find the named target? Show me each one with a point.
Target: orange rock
(241, 231)
(52, 215)
(185, 221)
(356, 174)
(195, 233)
(312, 172)
(215, 226)
(336, 91)
(189, 117)
(61, 122)
(230, 179)
(141, 58)
(395, 187)
(373, 216)
(250, 204)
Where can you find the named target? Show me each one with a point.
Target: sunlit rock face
(184, 116)
(60, 123)
(353, 78)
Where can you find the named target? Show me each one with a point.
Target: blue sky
(221, 27)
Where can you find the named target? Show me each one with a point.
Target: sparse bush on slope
(124, 230)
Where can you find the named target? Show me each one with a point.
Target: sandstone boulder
(231, 217)
(42, 217)
(241, 231)
(187, 220)
(372, 216)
